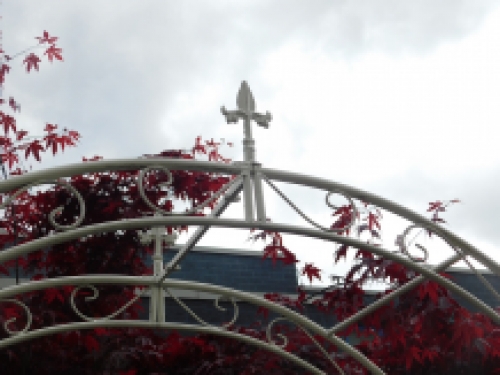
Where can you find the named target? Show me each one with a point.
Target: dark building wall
(242, 270)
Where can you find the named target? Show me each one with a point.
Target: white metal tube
(232, 223)
(166, 326)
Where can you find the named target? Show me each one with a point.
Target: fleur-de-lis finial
(246, 108)
(246, 111)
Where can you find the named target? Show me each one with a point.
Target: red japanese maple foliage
(14, 139)
(423, 332)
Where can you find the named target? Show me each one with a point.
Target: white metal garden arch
(250, 177)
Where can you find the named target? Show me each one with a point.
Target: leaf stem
(24, 51)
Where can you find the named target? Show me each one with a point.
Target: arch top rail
(243, 168)
(76, 169)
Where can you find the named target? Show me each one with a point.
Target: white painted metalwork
(246, 176)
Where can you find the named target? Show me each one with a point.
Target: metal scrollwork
(92, 298)
(354, 213)
(140, 184)
(29, 318)
(401, 243)
(285, 341)
(216, 303)
(57, 210)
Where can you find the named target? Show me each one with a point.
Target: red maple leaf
(412, 355)
(74, 135)
(341, 252)
(52, 52)
(272, 252)
(51, 294)
(429, 354)
(50, 128)
(275, 250)
(31, 61)
(46, 38)
(8, 122)
(212, 143)
(434, 206)
(4, 69)
(14, 105)
(91, 343)
(373, 220)
(100, 331)
(430, 289)
(52, 140)
(34, 148)
(11, 158)
(21, 134)
(288, 256)
(311, 272)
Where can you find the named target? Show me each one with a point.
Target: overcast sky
(400, 98)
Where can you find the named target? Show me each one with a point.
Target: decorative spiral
(57, 210)
(216, 303)
(29, 318)
(150, 204)
(285, 341)
(93, 297)
(354, 213)
(401, 242)
(282, 337)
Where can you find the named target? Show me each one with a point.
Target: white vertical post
(247, 195)
(259, 194)
(157, 299)
(252, 178)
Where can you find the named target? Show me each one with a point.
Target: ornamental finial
(246, 111)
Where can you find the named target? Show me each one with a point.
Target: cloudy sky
(400, 98)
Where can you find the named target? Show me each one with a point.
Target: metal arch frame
(249, 178)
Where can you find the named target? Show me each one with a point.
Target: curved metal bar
(285, 342)
(190, 285)
(236, 169)
(354, 213)
(69, 170)
(29, 318)
(166, 326)
(201, 206)
(57, 210)
(232, 223)
(216, 302)
(93, 297)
